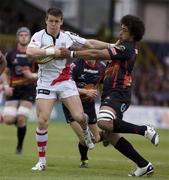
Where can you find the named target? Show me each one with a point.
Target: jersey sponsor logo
(72, 65)
(82, 76)
(34, 42)
(123, 107)
(91, 71)
(106, 100)
(74, 34)
(43, 91)
(15, 61)
(21, 55)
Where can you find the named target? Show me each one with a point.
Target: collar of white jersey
(54, 38)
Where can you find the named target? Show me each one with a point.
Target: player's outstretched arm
(35, 52)
(86, 54)
(96, 44)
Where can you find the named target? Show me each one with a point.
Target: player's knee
(79, 117)
(9, 120)
(104, 125)
(43, 119)
(105, 118)
(9, 115)
(97, 138)
(9, 111)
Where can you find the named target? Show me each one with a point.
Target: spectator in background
(148, 90)
(19, 86)
(105, 33)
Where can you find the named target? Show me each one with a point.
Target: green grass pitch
(63, 159)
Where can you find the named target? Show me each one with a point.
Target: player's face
(91, 61)
(53, 24)
(125, 34)
(23, 38)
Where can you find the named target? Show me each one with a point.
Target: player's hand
(26, 71)
(91, 93)
(88, 94)
(118, 42)
(57, 52)
(28, 74)
(8, 91)
(64, 53)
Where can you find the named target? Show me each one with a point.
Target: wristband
(110, 45)
(50, 51)
(72, 54)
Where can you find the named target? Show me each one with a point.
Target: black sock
(21, 131)
(83, 151)
(128, 150)
(120, 126)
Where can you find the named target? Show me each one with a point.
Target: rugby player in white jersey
(54, 80)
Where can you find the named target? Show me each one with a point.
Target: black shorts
(119, 100)
(23, 92)
(89, 109)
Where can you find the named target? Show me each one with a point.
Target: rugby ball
(45, 59)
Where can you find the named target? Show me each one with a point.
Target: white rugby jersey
(56, 70)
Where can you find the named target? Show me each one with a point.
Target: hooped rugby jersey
(17, 60)
(84, 73)
(56, 70)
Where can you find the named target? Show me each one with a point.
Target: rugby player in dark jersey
(19, 86)
(87, 75)
(116, 94)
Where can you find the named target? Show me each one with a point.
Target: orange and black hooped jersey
(84, 73)
(16, 61)
(118, 71)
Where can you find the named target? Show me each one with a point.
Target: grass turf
(63, 159)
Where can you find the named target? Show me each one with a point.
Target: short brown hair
(57, 12)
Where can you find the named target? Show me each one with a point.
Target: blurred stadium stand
(101, 20)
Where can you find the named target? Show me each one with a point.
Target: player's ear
(61, 22)
(46, 20)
